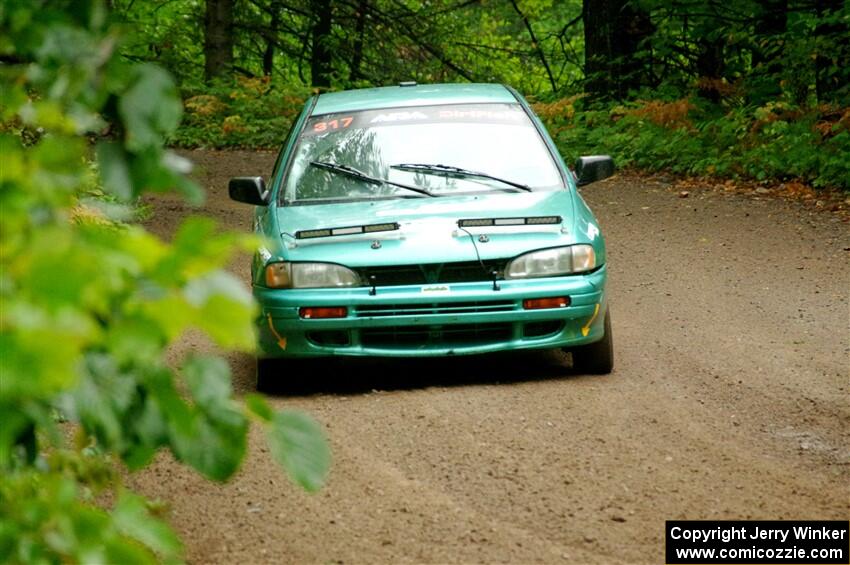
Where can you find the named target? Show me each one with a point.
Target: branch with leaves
(92, 301)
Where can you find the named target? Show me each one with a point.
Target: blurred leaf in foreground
(91, 305)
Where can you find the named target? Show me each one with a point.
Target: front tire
(596, 358)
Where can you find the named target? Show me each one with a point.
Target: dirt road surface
(729, 400)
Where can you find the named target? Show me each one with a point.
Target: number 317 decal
(332, 124)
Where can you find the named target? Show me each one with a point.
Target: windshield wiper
(360, 175)
(455, 171)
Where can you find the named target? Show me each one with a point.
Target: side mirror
(593, 168)
(251, 190)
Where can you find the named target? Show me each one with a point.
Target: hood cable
(492, 274)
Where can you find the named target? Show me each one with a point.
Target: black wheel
(596, 358)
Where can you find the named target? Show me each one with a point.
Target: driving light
(309, 275)
(349, 230)
(543, 303)
(530, 221)
(313, 313)
(552, 262)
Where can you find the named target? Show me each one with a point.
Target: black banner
(745, 541)
(510, 114)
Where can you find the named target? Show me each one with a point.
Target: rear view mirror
(593, 168)
(251, 190)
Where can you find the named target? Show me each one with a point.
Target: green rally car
(426, 220)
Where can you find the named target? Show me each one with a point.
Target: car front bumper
(407, 321)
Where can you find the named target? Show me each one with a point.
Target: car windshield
(442, 150)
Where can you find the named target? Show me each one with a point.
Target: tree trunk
(359, 30)
(218, 38)
(634, 28)
(268, 54)
(833, 48)
(614, 31)
(322, 57)
(710, 65)
(598, 50)
(771, 26)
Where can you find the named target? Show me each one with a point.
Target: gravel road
(729, 400)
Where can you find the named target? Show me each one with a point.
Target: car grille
(449, 335)
(384, 310)
(434, 273)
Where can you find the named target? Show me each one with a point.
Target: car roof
(412, 95)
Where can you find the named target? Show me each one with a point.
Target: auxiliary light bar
(531, 221)
(350, 230)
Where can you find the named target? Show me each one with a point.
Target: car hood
(428, 230)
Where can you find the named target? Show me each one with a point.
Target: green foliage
(753, 49)
(731, 60)
(772, 142)
(373, 42)
(47, 515)
(290, 438)
(776, 141)
(168, 32)
(249, 113)
(90, 304)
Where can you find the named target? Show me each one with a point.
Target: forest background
(752, 89)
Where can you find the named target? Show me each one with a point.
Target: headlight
(552, 262)
(309, 275)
